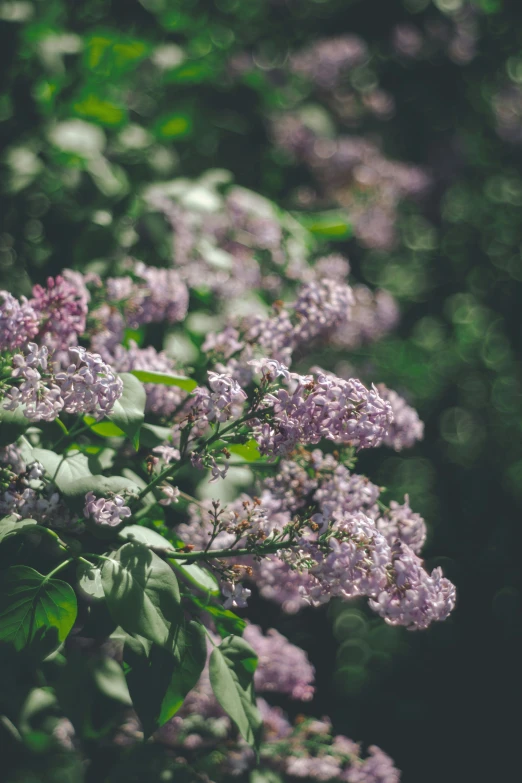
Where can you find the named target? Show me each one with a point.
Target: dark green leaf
(11, 526)
(186, 676)
(232, 666)
(34, 609)
(110, 680)
(226, 622)
(153, 435)
(158, 684)
(12, 425)
(129, 411)
(142, 593)
(165, 379)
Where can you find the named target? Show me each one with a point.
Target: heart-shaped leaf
(143, 597)
(35, 610)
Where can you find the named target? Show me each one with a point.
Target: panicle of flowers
(282, 666)
(399, 522)
(24, 495)
(353, 172)
(156, 295)
(19, 322)
(106, 511)
(406, 427)
(373, 315)
(225, 399)
(414, 598)
(88, 384)
(328, 59)
(307, 409)
(62, 310)
(39, 393)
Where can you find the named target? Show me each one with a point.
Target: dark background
(443, 703)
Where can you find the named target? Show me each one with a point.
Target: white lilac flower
(236, 596)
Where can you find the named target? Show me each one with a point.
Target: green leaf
(63, 469)
(232, 666)
(187, 675)
(143, 597)
(157, 683)
(100, 485)
(248, 451)
(165, 379)
(89, 581)
(226, 622)
(12, 425)
(199, 577)
(11, 526)
(144, 535)
(153, 435)
(265, 776)
(331, 225)
(106, 429)
(110, 680)
(35, 610)
(129, 411)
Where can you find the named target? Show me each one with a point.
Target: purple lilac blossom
(406, 427)
(105, 511)
(42, 398)
(88, 385)
(282, 667)
(19, 322)
(310, 409)
(224, 401)
(414, 598)
(328, 59)
(400, 522)
(62, 310)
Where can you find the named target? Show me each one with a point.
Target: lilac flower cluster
(224, 401)
(106, 511)
(155, 295)
(415, 598)
(18, 321)
(328, 59)
(307, 409)
(400, 523)
(62, 310)
(353, 173)
(26, 496)
(282, 667)
(87, 386)
(41, 398)
(406, 427)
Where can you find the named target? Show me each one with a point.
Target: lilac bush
(110, 443)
